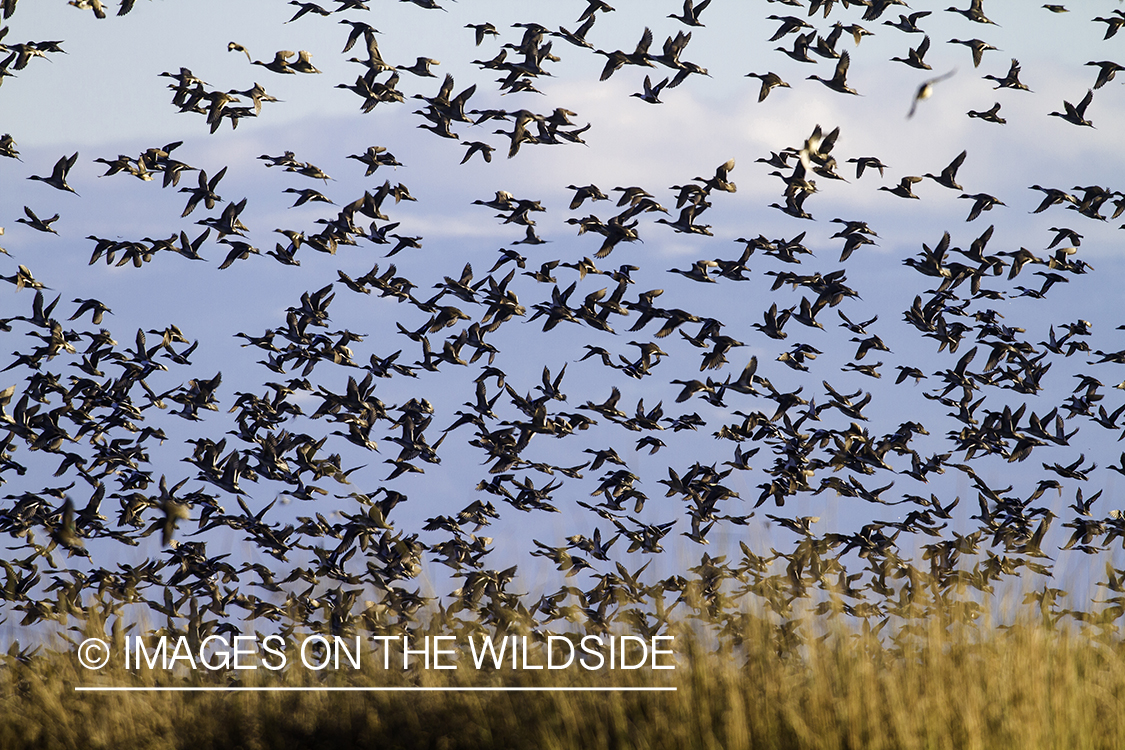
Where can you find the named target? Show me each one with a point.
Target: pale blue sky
(104, 98)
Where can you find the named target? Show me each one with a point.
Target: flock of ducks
(94, 408)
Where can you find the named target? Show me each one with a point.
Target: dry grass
(1025, 687)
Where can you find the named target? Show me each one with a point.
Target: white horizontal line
(93, 689)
